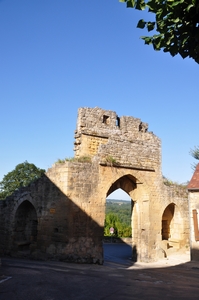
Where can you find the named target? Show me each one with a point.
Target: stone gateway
(61, 215)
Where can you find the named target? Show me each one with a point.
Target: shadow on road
(119, 254)
(117, 279)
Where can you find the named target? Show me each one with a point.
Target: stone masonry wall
(64, 231)
(61, 216)
(194, 232)
(126, 139)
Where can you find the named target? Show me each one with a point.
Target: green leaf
(150, 26)
(153, 5)
(173, 50)
(184, 54)
(130, 3)
(147, 40)
(189, 7)
(176, 20)
(141, 24)
(140, 5)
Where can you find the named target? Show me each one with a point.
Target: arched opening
(118, 215)
(118, 221)
(126, 183)
(166, 221)
(172, 229)
(25, 229)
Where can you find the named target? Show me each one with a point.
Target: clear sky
(57, 56)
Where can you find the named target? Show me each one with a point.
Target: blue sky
(57, 56)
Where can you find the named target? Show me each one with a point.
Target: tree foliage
(176, 23)
(195, 153)
(120, 229)
(21, 176)
(118, 217)
(120, 208)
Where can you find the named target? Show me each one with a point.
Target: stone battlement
(102, 133)
(103, 123)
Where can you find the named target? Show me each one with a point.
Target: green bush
(119, 217)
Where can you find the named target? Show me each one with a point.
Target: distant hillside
(116, 201)
(122, 208)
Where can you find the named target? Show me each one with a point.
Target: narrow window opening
(106, 119)
(118, 122)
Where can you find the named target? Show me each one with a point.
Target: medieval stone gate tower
(62, 215)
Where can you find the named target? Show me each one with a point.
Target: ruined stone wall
(68, 203)
(178, 195)
(193, 190)
(126, 140)
(125, 144)
(64, 230)
(194, 232)
(178, 239)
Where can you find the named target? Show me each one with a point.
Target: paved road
(115, 280)
(118, 254)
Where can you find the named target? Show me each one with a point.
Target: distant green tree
(110, 221)
(123, 211)
(120, 229)
(195, 153)
(21, 176)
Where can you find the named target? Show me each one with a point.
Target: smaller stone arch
(167, 218)
(25, 227)
(172, 227)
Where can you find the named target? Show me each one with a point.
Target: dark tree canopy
(21, 176)
(176, 24)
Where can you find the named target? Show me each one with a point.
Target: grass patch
(169, 182)
(109, 160)
(82, 159)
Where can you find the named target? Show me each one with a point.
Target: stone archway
(25, 227)
(172, 228)
(166, 221)
(119, 211)
(127, 183)
(117, 246)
